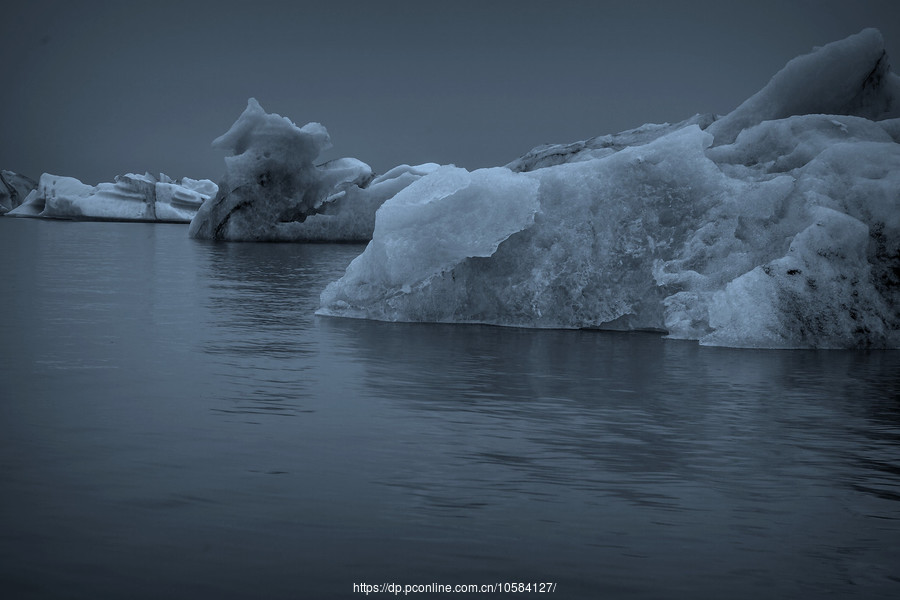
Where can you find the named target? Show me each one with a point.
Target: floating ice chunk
(449, 248)
(785, 234)
(270, 179)
(848, 77)
(130, 198)
(273, 191)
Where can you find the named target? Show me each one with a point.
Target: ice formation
(849, 77)
(777, 225)
(14, 188)
(273, 191)
(130, 198)
(348, 215)
(602, 146)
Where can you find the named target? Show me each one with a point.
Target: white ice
(130, 198)
(777, 225)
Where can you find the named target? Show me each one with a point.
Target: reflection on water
(637, 404)
(144, 450)
(260, 300)
(649, 448)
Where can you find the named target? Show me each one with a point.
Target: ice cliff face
(273, 191)
(130, 198)
(13, 190)
(777, 225)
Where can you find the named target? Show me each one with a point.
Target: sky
(96, 89)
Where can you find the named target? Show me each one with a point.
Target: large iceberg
(777, 225)
(274, 191)
(130, 198)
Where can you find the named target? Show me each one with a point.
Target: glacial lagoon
(176, 422)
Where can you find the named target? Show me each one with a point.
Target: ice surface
(271, 183)
(550, 155)
(579, 253)
(775, 226)
(348, 215)
(130, 198)
(431, 226)
(847, 77)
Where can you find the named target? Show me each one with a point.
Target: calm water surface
(175, 422)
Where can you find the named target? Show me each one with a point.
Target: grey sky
(96, 89)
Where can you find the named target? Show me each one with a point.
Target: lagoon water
(176, 422)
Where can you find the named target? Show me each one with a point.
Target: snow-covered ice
(130, 198)
(777, 225)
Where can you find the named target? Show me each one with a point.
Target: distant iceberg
(273, 191)
(130, 198)
(777, 225)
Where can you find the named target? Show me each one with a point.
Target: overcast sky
(96, 89)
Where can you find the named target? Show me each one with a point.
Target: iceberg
(270, 177)
(14, 188)
(273, 191)
(130, 198)
(775, 226)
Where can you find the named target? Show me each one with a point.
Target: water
(175, 422)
